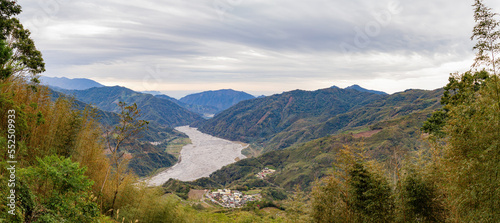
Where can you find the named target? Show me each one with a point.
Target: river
(203, 156)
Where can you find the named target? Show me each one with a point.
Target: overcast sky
(257, 46)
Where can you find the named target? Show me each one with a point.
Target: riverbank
(202, 157)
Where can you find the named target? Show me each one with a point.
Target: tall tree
(487, 34)
(355, 192)
(25, 59)
(129, 127)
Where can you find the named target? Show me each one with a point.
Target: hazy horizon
(259, 47)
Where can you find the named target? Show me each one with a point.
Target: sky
(258, 46)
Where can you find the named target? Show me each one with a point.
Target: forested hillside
(302, 164)
(159, 110)
(279, 121)
(332, 155)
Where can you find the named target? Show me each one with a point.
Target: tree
(63, 192)
(370, 195)
(487, 34)
(297, 207)
(355, 192)
(468, 162)
(461, 89)
(129, 126)
(25, 59)
(5, 56)
(420, 199)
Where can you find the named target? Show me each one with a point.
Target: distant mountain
(162, 111)
(281, 120)
(69, 84)
(359, 88)
(152, 92)
(220, 99)
(203, 110)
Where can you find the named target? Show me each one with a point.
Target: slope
(219, 99)
(145, 157)
(259, 120)
(205, 110)
(302, 163)
(159, 110)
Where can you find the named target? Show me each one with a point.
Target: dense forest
(414, 160)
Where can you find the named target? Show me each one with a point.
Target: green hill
(146, 157)
(159, 110)
(302, 163)
(281, 120)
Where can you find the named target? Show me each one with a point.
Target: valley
(203, 156)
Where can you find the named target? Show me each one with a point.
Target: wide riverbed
(205, 155)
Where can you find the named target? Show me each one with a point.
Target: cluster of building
(263, 174)
(230, 199)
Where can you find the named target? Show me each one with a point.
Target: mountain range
(281, 120)
(68, 83)
(155, 109)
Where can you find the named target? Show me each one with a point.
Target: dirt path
(205, 155)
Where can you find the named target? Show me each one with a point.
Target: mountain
(359, 88)
(145, 157)
(302, 164)
(261, 119)
(162, 111)
(69, 84)
(220, 99)
(281, 120)
(204, 110)
(152, 92)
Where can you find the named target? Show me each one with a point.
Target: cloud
(258, 46)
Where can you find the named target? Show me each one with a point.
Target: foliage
(460, 89)
(355, 192)
(420, 199)
(25, 58)
(128, 127)
(487, 33)
(471, 158)
(298, 206)
(466, 161)
(5, 56)
(62, 192)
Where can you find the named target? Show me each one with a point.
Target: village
(230, 198)
(263, 174)
(233, 198)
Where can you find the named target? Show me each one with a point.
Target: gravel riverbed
(203, 156)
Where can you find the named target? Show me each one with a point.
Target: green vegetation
(369, 160)
(280, 121)
(301, 164)
(154, 109)
(174, 147)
